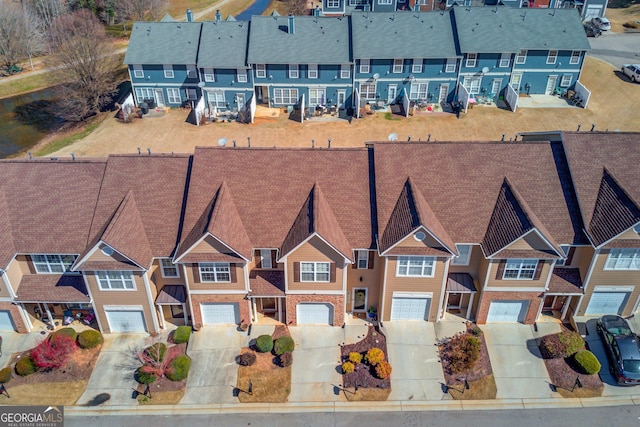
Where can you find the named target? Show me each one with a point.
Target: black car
(592, 31)
(622, 347)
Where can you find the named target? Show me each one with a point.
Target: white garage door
(607, 302)
(410, 308)
(507, 311)
(314, 314)
(6, 323)
(214, 313)
(124, 320)
(592, 12)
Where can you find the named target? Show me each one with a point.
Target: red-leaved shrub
(53, 353)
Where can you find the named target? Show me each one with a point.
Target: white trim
(467, 260)
(545, 72)
(357, 263)
(467, 60)
(549, 274)
(401, 294)
(214, 266)
(7, 283)
(552, 247)
(353, 300)
(25, 317)
(219, 241)
(321, 238)
(424, 259)
(417, 65)
(518, 56)
(635, 260)
(49, 265)
(152, 309)
(441, 311)
(413, 232)
(132, 307)
(513, 289)
(314, 292)
(614, 237)
(122, 274)
(312, 69)
(573, 56)
(520, 268)
(384, 288)
(613, 289)
(93, 302)
(218, 292)
(364, 63)
(95, 248)
(174, 266)
(315, 272)
(585, 283)
(286, 276)
(552, 57)
(186, 285)
(261, 74)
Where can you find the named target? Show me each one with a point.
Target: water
(23, 121)
(257, 8)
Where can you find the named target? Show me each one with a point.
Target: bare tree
(297, 7)
(85, 59)
(46, 10)
(138, 10)
(12, 35)
(35, 35)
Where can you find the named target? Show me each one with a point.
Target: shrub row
(562, 344)
(179, 368)
(284, 344)
(182, 334)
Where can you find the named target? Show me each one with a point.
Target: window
(398, 65)
(465, 255)
(505, 60)
(293, 71)
(520, 269)
(168, 268)
(314, 271)
(415, 266)
(241, 75)
(168, 72)
(418, 90)
(521, 57)
(450, 66)
(138, 72)
(516, 78)
(416, 67)
(261, 71)
(265, 258)
(191, 94)
(52, 263)
(115, 280)
(191, 71)
(623, 259)
(285, 96)
(552, 57)
(473, 84)
(472, 58)
(143, 93)
(358, 2)
(565, 251)
(316, 96)
(637, 228)
(216, 98)
(312, 72)
(364, 66)
(345, 71)
(174, 96)
(215, 272)
(333, 4)
(575, 57)
(566, 80)
(384, 1)
(421, 2)
(208, 75)
(368, 90)
(363, 260)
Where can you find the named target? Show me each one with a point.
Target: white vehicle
(601, 22)
(632, 71)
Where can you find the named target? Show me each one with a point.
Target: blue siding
(278, 73)
(225, 77)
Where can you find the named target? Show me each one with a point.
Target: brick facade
(336, 300)
(535, 300)
(15, 314)
(245, 310)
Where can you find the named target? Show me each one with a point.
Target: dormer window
(50, 264)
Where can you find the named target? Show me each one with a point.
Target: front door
(548, 302)
(443, 94)
(240, 101)
(267, 306)
(454, 301)
(159, 98)
(392, 93)
(360, 300)
(342, 97)
(551, 85)
(495, 88)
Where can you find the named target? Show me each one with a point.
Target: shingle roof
(171, 294)
(223, 44)
(566, 281)
(507, 29)
(315, 40)
(460, 282)
(7, 248)
(266, 283)
(604, 168)
(163, 43)
(383, 35)
(52, 288)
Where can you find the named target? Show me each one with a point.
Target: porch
(172, 306)
(565, 285)
(459, 294)
(267, 296)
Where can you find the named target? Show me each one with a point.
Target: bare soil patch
(563, 377)
(364, 375)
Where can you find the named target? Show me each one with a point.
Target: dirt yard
(620, 15)
(613, 106)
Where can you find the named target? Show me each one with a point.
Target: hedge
(182, 334)
(587, 362)
(179, 368)
(89, 339)
(264, 343)
(284, 344)
(5, 375)
(25, 366)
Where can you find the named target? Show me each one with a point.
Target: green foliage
(562, 344)
(374, 356)
(182, 334)
(461, 352)
(179, 368)
(157, 351)
(476, 331)
(383, 370)
(355, 357)
(586, 362)
(572, 341)
(264, 343)
(285, 359)
(246, 359)
(25, 366)
(67, 332)
(146, 376)
(5, 375)
(284, 344)
(347, 367)
(89, 338)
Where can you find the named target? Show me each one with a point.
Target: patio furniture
(89, 318)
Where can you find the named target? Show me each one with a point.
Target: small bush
(157, 351)
(374, 356)
(25, 366)
(347, 368)
(586, 362)
(461, 352)
(264, 343)
(182, 334)
(383, 370)
(562, 344)
(285, 359)
(146, 376)
(572, 342)
(355, 357)
(246, 359)
(284, 344)
(67, 332)
(5, 375)
(89, 339)
(476, 331)
(631, 24)
(52, 353)
(179, 368)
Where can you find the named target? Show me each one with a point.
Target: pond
(256, 8)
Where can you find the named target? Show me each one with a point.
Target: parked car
(622, 347)
(632, 71)
(601, 22)
(592, 31)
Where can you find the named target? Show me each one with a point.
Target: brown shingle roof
(266, 283)
(171, 294)
(460, 282)
(565, 281)
(526, 253)
(7, 248)
(418, 250)
(52, 288)
(107, 265)
(209, 257)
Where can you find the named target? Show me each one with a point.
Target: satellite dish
(201, 84)
(393, 136)
(376, 76)
(222, 142)
(485, 70)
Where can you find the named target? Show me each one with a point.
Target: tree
(297, 7)
(46, 10)
(12, 35)
(138, 10)
(84, 58)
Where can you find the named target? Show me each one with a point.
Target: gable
(211, 245)
(530, 241)
(104, 257)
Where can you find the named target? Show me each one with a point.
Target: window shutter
(274, 264)
(196, 273)
(500, 271)
(572, 250)
(536, 275)
(258, 258)
(296, 271)
(371, 254)
(332, 272)
(232, 273)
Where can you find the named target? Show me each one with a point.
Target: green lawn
(27, 84)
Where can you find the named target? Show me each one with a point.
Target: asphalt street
(616, 48)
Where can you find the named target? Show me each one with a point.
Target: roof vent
(189, 15)
(420, 236)
(292, 29)
(218, 16)
(107, 250)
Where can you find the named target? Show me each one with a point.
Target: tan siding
(253, 263)
(629, 235)
(16, 271)
(546, 269)
(240, 284)
(585, 261)
(410, 242)
(413, 284)
(474, 263)
(580, 252)
(528, 242)
(211, 246)
(99, 256)
(155, 276)
(315, 250)
(371, 279)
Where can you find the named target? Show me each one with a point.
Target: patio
(543, 101)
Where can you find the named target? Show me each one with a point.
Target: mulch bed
(165, 384)
(480, 369)
(363, 375)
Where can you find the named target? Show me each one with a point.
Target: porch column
(46, 307)
(184, 313)
(254, 310)
(566, 307)
(279, 310)
(470, 306)
(162, 324)
(443, 309)
(26, 317)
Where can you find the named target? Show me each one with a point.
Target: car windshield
(632, 366)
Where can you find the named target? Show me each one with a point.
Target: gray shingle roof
(402, 35)
(315, 40)
(163, 43)
(505, 29)
(223, 44)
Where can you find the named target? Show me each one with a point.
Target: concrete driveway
(413, 354)
(13, 342)
(517, 365)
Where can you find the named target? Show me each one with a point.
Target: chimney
(218, 16)
(189, 15)
(316, 11)
(292, 29)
